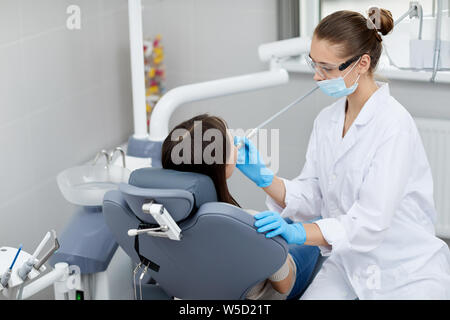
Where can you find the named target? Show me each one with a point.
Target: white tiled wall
(64, 95)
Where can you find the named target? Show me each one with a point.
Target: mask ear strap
(357, 61)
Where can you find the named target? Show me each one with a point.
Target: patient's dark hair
(216, 171)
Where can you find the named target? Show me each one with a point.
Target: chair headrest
(181, 193)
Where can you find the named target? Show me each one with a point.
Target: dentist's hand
(250, 163)
(272, 221)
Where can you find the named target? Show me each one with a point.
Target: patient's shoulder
(251, 211)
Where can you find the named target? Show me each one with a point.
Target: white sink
(86, 185)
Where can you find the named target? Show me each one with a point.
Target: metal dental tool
(7, 275)
(255, 130)
(27, 266)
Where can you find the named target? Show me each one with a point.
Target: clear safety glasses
(326, 70)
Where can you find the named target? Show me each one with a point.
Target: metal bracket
(168, 228)
(414, 6)
(49, 253)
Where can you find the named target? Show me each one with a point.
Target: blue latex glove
(293, 233)
(249, 162)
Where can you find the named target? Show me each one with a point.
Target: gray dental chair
(219, 254)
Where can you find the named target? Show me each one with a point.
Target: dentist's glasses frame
(327, 70)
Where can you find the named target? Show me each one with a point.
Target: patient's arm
(281, 280)
(283, 285)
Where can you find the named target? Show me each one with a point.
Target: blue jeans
(305, 258)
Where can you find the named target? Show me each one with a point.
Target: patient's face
(232, 158)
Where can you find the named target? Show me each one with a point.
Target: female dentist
(366, 182)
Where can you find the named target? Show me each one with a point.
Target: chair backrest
(220, 254)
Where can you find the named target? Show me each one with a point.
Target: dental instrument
(15, 258)
(65, 278)
(27, 266)
(65, 282)
(7, 274)
(286, 108)
(257, 171)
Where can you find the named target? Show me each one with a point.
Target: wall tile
(117, 117)
(9, 21)
(50, 141)
(38, 16)
(85, 55)
(42, 15)
(115, 43)
(13, 102)
(47, 200)
(16, 163)
(228, 43)
(47, 66)
(218, 6)
(85, 127)
(107, 6)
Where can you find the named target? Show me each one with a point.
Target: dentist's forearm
(314, 236)
(277, 191)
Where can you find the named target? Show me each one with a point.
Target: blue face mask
(336, 87)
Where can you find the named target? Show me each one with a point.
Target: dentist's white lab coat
(373, 190)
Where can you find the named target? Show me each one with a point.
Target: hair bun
(381, 20)
(386, 22)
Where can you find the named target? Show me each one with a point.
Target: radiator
(436, 140)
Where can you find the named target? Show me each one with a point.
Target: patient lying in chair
(213, 153)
